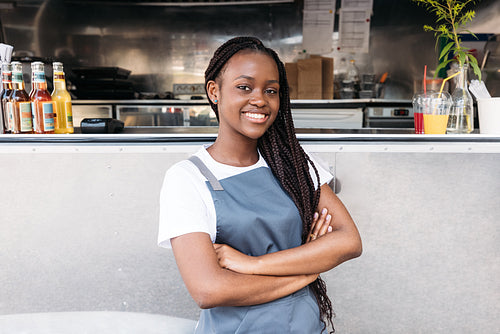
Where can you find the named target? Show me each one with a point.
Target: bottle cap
(37, 66)
(6, 67)
(57, 66)
(17, 66)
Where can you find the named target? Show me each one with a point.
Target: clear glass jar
(461, 118)
(350, 85)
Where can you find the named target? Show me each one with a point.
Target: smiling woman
(247, 103)
(250, 219)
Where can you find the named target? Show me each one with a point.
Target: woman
(250, 218)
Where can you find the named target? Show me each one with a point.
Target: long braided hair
(281, 150)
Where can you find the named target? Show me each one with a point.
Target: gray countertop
(151, 135)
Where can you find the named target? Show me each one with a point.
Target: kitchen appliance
(389, 117)
(342, 118)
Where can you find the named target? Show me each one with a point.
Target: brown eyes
(243, 87)
(248, 89)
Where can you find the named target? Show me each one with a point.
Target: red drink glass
(420, 102)
(418, 118)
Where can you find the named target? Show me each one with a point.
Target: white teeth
(254, 115)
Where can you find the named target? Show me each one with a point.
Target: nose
(258, 99)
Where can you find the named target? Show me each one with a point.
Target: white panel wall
(78, 232)
(78, 227)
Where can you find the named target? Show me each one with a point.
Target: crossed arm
(218, 275)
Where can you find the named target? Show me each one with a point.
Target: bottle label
(39, 77)
(56, 121)
(59, 76)
(69, 114)
(10, 115)
(33, 113)
(17, 77)
(48, 116)
(25, 112)
(7, 77)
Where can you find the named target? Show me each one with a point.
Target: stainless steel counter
(79, 222)
(362, 140)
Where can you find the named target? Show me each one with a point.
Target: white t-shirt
(186, 203)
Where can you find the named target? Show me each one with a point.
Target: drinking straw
(444, 81)
(442, 86)
(425, 79)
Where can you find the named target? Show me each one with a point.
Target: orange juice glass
(436, 110)
(435, 124)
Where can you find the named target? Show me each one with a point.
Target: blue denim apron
(256, 216)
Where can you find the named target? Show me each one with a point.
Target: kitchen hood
(179, 2)
(158, 3)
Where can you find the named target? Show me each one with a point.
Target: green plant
(451, 18)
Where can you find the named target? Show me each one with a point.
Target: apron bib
(256, 216)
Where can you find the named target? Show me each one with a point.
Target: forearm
(210, 285)
(233, 289)
(317, 256)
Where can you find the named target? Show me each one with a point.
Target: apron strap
(206, 173)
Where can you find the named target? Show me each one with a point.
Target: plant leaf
(471, 33)
(461, 56)
(441, 66)
(475, 67)
(446, 50)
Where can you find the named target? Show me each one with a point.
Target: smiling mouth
(256, 116)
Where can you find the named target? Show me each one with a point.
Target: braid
(281, 149)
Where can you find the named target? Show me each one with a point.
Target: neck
(59, 85)
(234, 152)
(40, 86)
(18, 85)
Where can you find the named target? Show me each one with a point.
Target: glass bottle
(340, 70)
(5, 98)
(339, 75)
(461, 118)
(42, 105)
(62, 100)
(353, 76)
(20, 102)
(32, 88)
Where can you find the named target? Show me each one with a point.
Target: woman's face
(247, 91)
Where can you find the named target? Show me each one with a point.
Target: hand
(234, 260)
(320, 225)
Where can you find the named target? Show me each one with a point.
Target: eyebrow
(251, 78)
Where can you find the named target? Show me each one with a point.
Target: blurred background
(163, 43)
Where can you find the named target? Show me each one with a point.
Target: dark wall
(166, 45)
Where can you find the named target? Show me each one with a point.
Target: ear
(213, 91)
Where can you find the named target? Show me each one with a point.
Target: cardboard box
(327, 78)
(314, 78)
(309, 78)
